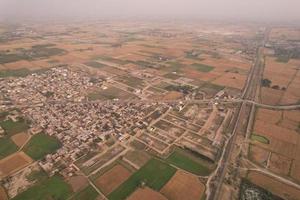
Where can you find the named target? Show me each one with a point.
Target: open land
(182, 184)
(148, 110)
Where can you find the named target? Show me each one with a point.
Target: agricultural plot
(34, 53)
(110, 93)
(40, 145)
(7, 147)
(99, 160)
(15, 73)
(112, 179)
(259, 138)
(211, 89)
(283, 82)
(52, 188)
(155, 174)
(202, 67)
(259, 155)
(275, 141)
(146, 194)
(3, 195)
(13, 163)
(78, 182)
(188, 163)
(231, 80)
(170, 128)
(20, 139)
(139, 158)
(131, 81)
(11, 128)
(183, 186)
(94, 64)
(88, 193)
(153, 142)
(276, 187)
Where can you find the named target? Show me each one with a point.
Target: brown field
(280, 164)
(223, 64)
(270, 116)
(3, 195)
(20, 139)
(284, 75)
(282, 131)
(183, 186)
(292, 94)
(78, 182)
(259, 155)
(139, 158)
(19, 65)
(112, 179)
(278, 188)
(2, 67)
(271, 96)
(275, 131)
(279, 73)
(293, 115)
(194, 74)
(285, 119)
(231, 80)
(173, 95)
(295, 170)
(14, 163)
(146, 194)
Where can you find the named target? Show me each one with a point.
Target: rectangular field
(186, 163)
(112, 179)
(40, 145)
(13, 163)
(7, 147)
(110, 93)
(52, 188)
(89, 193)
(146, 194)
(276, 187)
(183, 186)
(155, 174)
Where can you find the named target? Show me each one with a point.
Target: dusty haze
(259, 10)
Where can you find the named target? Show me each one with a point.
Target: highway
(249, 94)
(183, 101)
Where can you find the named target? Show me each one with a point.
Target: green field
(187, 163)
(15, 73)
(259, 138)
(154, 173)
(53, 188)
(10, 127)
(172, 76)
(174, 66)
(36, 52)
(132, 81)
(7, 147)
(110, 94)
(89, 193)
(202, 67)
(112, 60)
(95, 64)
(41, 145)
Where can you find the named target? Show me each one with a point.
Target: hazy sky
(275, 10)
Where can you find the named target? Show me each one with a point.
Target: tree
(266, 82)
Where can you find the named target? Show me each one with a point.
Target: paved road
(249, 95)
(134, 101)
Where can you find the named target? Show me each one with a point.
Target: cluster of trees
(268, 83)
